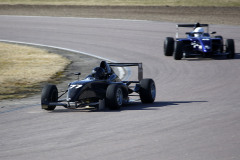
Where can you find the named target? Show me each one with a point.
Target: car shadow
(156, 105)
(237, 56)
(130, 106)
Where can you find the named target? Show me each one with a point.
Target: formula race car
(198, 43)
(101, 87)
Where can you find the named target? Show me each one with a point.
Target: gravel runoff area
(79, 63)
(211, 15)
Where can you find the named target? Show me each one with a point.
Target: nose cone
(207, 45)
(74, 90)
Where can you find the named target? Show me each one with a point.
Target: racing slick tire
(168, 46)
(49, 94)
(114, 96)
(147, 91)
(178, 50)
(230, 48)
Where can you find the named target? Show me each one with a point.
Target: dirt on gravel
(79, 63)
(181, 14)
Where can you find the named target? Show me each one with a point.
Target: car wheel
(168, 46)
(147, 91)
(230, 48)
(178, 50)
(49, 94)
(114, 96)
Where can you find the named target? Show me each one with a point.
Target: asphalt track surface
(195, 117)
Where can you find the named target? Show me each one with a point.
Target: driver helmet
(98, 73)
(198, 32)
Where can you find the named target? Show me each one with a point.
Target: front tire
(178, 50)
(230, 48)
(114, 96)
(147, 91)
(49, 94)
(168, 46)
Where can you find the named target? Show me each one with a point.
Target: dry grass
(23, 68)
(211, 15)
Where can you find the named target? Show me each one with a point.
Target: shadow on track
(156, 105)
(237, 57)
(131, 106)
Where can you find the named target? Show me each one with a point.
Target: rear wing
(191, 26)
(139, 65)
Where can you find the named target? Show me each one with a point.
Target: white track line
(121, 70)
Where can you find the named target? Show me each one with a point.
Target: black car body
(204, 46)
(110, 90)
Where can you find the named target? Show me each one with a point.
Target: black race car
(101, 88)
(198, 43)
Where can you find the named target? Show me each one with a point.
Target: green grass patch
(23, 68)
(225, 3)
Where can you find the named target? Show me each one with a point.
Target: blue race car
(198, 43)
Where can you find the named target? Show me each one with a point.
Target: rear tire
(147, 91)
(230, 48)
(49, 94)
(178, 50)
(114, 96)
(168, 46)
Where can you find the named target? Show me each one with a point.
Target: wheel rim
(153, 91)
(119, 96)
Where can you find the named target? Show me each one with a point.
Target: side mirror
(78, 74)
(213, 32)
